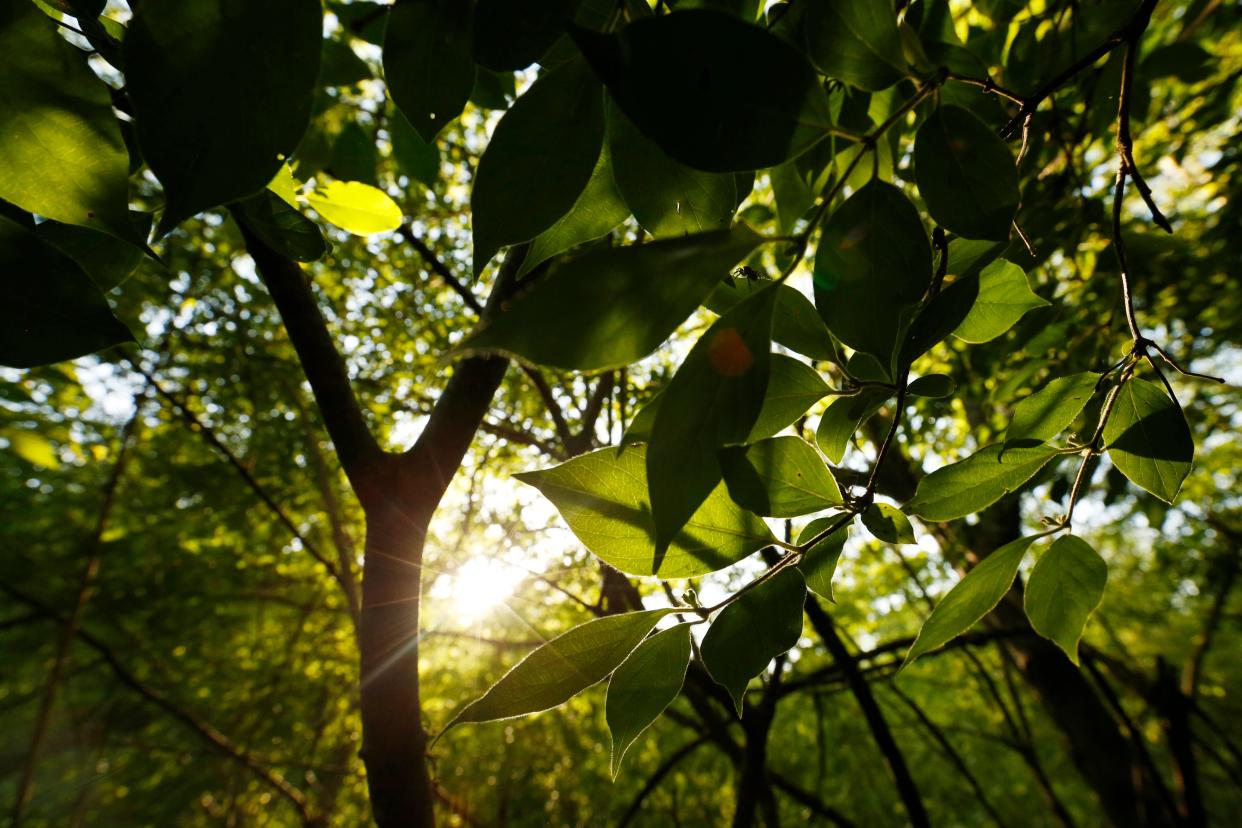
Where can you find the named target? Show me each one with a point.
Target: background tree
(739, 292)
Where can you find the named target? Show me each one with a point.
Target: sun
(477, 587)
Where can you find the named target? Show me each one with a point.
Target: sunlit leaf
(32, 447)
(603, 498)
(644, 685)
(1050, 410)
(355, 207)
(887, 523)
(977, 482)
(779, 477)
(1148, 439)
(1004, 297)
(819, 563)
(795, 322)
(1065, 587)
(844, 416)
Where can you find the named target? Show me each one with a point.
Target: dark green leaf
(603, 498)
(557, 671)
(712, 401)
(281, 227)
(779, 477)
(353, 156)
(873, 262)
(795, 322)
(51, 311)
(977, 482)
(939, 318)
(538, 161)
(493, 90)
(1065, 587)
(667, 198)
(856, 41)
(106, 259)
(966, 175)
(644, 685)
(609, 308)
(760, 625)
(1148, 439)
(843, 417)
(513, 34)
(714, 92)
(596, 212)
(1004, 297)
(427, 62)
(64, 157)
(971, 598)
(419, 159)
(221, 92)
(888, 524)
(339, 65)
(1050, 410)
(819, 563)
(932, 385)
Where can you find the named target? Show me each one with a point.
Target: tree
(907, 226)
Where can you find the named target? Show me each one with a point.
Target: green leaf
(603, 498)
(819, 563)
(1065, 587)
(888, 524)
(793, 387)
(795, 322)
(969, 256)
(106, 259)
(971, 598)
(281, 227)
(539, 160)
(221, 92)
(339, 64)
(856, 41)
(1148, 439)
(713, 400)
(977, 482)
(667, 197)
(1050, 410)
(427, 62)
(779, 477)
(51, 311)
(419, 159)
(966, 175)
(939, 318)
(32, 447)
(353, 155)
(873, 262)
(644, 685)
(64, 157)
(562, 668)
(713, 92)
(355, 207)
(513, 34)
(1004, 297)
(932, 385)
(760, 625)
(596, 212)
(609, 308)
(493, 90)
(843, 417)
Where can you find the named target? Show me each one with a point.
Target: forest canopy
(620, 412)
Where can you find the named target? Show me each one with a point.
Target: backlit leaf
(843, 417)
(644, 685)
(795, 322)
(1050, 410)
(819, 563)
(856, 41)
(355, 207)
(888, 524)
(1148, 439)
(779, 477)
(1004, 297)
(977, 482)
(1065, 587)
(281, 227)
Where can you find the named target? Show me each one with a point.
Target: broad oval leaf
(356, 207)
(609, 308)
(280, 226)
(597, 211)
(977, 482)
(1003, 298)
(966, 175)
(52, 311)
(1148, 439)
(819, 563)
(539, 160)
(513, 34)
(795, 322)
(427, 62)
(762, 623)
(667, 197)
(221, 94)
(935, 386)
(419, 158)
(873, 262)
(603, 498)
(64, 157)
(557, 671)
(644, 685)
(712, 401)
(714, 92)
(1065, 587)
(856, 41)
(779, 477)
(843, 417)
(939, 318)
(105, 258)
(887, 523)
(1050, 410)
(971, 598)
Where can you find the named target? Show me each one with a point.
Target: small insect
(746, 271)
